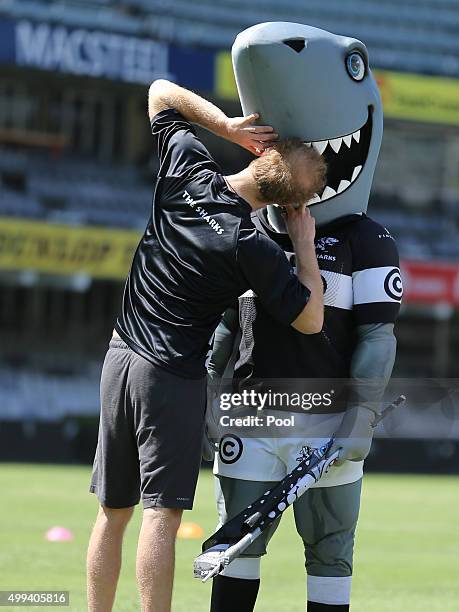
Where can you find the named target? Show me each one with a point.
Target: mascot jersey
(359, 265)
(358, 261)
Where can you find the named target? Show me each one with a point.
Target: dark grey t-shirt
(199, 252)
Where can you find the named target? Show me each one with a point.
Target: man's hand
(240, 130)
(353, 438)
(301, 226)
(254, 138)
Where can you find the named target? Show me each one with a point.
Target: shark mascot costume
(317, 86)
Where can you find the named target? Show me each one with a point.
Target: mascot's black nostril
(297, 44)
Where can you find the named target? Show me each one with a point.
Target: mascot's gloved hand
(354, 436)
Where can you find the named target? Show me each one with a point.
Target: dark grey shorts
(150, 433)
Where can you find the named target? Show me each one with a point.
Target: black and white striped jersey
(359, 265)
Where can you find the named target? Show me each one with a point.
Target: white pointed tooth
(328, 193)
(356, 135)
(343, 185)
(336, 144)
(348, 140)
(308, 144)
(320, 146)
(356, 172)
(315, 198)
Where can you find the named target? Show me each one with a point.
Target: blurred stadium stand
(78, 191)
(75, 158)
(72, 191)
(395, 31)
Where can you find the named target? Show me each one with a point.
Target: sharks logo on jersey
(323, 244)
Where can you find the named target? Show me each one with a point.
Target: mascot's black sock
(233, 594)
(320, 607)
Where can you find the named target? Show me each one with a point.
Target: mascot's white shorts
(270, 459)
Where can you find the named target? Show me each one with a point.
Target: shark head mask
(317, 86)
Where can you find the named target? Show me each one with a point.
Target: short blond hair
(276, 173)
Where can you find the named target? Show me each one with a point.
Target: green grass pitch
(407, 550)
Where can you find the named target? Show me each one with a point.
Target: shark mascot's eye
(355, 66)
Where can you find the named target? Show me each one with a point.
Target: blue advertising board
(102, 54)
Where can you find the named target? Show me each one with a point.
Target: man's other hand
(301, 225)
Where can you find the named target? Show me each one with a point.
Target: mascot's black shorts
(150, 433)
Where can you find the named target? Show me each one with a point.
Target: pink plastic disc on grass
(58, 534)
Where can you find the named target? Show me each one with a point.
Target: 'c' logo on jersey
(393, 284)
(230, 448)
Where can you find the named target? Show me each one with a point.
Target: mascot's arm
(223, 344)
(371, 368)
(377, 294)
(223, 349)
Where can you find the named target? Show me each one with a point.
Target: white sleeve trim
(338, 289)
(331, 591)
(373, 285)
(244, 569)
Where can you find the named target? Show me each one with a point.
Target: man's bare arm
(301, 228)
(311, 318)
(240, 130)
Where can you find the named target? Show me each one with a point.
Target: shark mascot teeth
(317, 86)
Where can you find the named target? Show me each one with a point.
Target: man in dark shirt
(199, 252)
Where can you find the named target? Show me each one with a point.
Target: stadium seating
(74, 191)
(78, 191)
(31, 395)
(395, 32)
(17, 204)
(417, 234)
